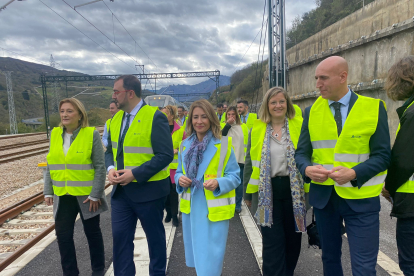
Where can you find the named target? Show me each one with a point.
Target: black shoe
(168, 218)
(175, 222)
(238, 211)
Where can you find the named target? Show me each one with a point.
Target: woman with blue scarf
(274, 185)
(207, 176)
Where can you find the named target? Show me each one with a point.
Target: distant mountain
(207, 86)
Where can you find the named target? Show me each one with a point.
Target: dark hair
(131, 83)
(182, 107)
(219, 105)
(400, 79)
(243, 102)
(112, 102)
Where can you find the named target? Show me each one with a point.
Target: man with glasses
(139, 152)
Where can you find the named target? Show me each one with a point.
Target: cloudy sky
(168, 36)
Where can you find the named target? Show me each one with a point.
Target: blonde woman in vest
(74, 183)
(239, 133)
(274, 184)
(177, 134)
(208, 175)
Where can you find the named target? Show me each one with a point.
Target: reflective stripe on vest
(74, 173)
(407, 187)
(257, 137)
(137, 146)
(221, 207)
(350, 148)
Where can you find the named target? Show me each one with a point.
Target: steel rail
(33, 153)
(20, 135)
(23, 151)
(27, 204)
(22, 145)
(2, 211)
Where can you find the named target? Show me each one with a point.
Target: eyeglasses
(117, 92)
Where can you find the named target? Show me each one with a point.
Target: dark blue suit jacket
(379, 160)
(142, 190)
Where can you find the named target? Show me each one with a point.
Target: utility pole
(56, 99)
(12, 111)
(277, 44)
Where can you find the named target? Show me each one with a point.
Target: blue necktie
(338, 116)
(125, 128)
(120, 161)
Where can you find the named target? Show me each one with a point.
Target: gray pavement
(47, 263)
(239, 259)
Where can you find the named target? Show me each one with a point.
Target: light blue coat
(204, 240)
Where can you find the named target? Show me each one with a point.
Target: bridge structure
(44, 79)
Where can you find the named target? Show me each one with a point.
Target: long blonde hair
(211, 115)
(78, 105)
(264, 113)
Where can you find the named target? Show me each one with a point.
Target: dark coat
(402, 165)
(378, 161)
(142, 190)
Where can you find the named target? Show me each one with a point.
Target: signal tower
(12, 111)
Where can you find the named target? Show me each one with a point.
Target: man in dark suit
(140, 141)
(345, 165)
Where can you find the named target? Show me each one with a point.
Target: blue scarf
(194, 157)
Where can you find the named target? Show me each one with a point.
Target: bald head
(331, 78)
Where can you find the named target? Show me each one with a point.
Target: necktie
(244, 119)
(338, 116)
(125, 128)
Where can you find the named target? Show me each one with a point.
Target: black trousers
(281, 243)
(64, 225)
(171, 203)
(405, 244)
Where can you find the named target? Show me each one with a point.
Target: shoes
(168, 218)
(175, 222)
(238, 211)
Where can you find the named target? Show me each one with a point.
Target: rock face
(371, 40)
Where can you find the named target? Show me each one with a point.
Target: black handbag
(313, 235)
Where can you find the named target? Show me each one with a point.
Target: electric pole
(12, 111)
(277, 43)
(56, 99)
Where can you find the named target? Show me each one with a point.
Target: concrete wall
(371, 40)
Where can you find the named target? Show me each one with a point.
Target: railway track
(5, 158)
(22, 145)
(21, 135)
(22, 226)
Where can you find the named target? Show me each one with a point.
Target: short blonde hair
(173, 111)
(211, 115)
(80, 108)
(264, 113)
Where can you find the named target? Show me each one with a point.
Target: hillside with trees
(327, 13)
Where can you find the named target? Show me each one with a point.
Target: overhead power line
(86, 35)
(129, 34)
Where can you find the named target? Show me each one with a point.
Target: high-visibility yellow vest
(298, 111)
(223, 117)
(407, 187)
(221, 207)
(350, 148)
(251, 119)
(177, 137)
(137, 146)
(257, 137)
(107, 124)
(74, 173)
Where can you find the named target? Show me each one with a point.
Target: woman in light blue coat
(204, 235)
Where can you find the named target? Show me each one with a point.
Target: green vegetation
(244, 84)
(327, 13)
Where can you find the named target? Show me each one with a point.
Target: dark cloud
(179, 35)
